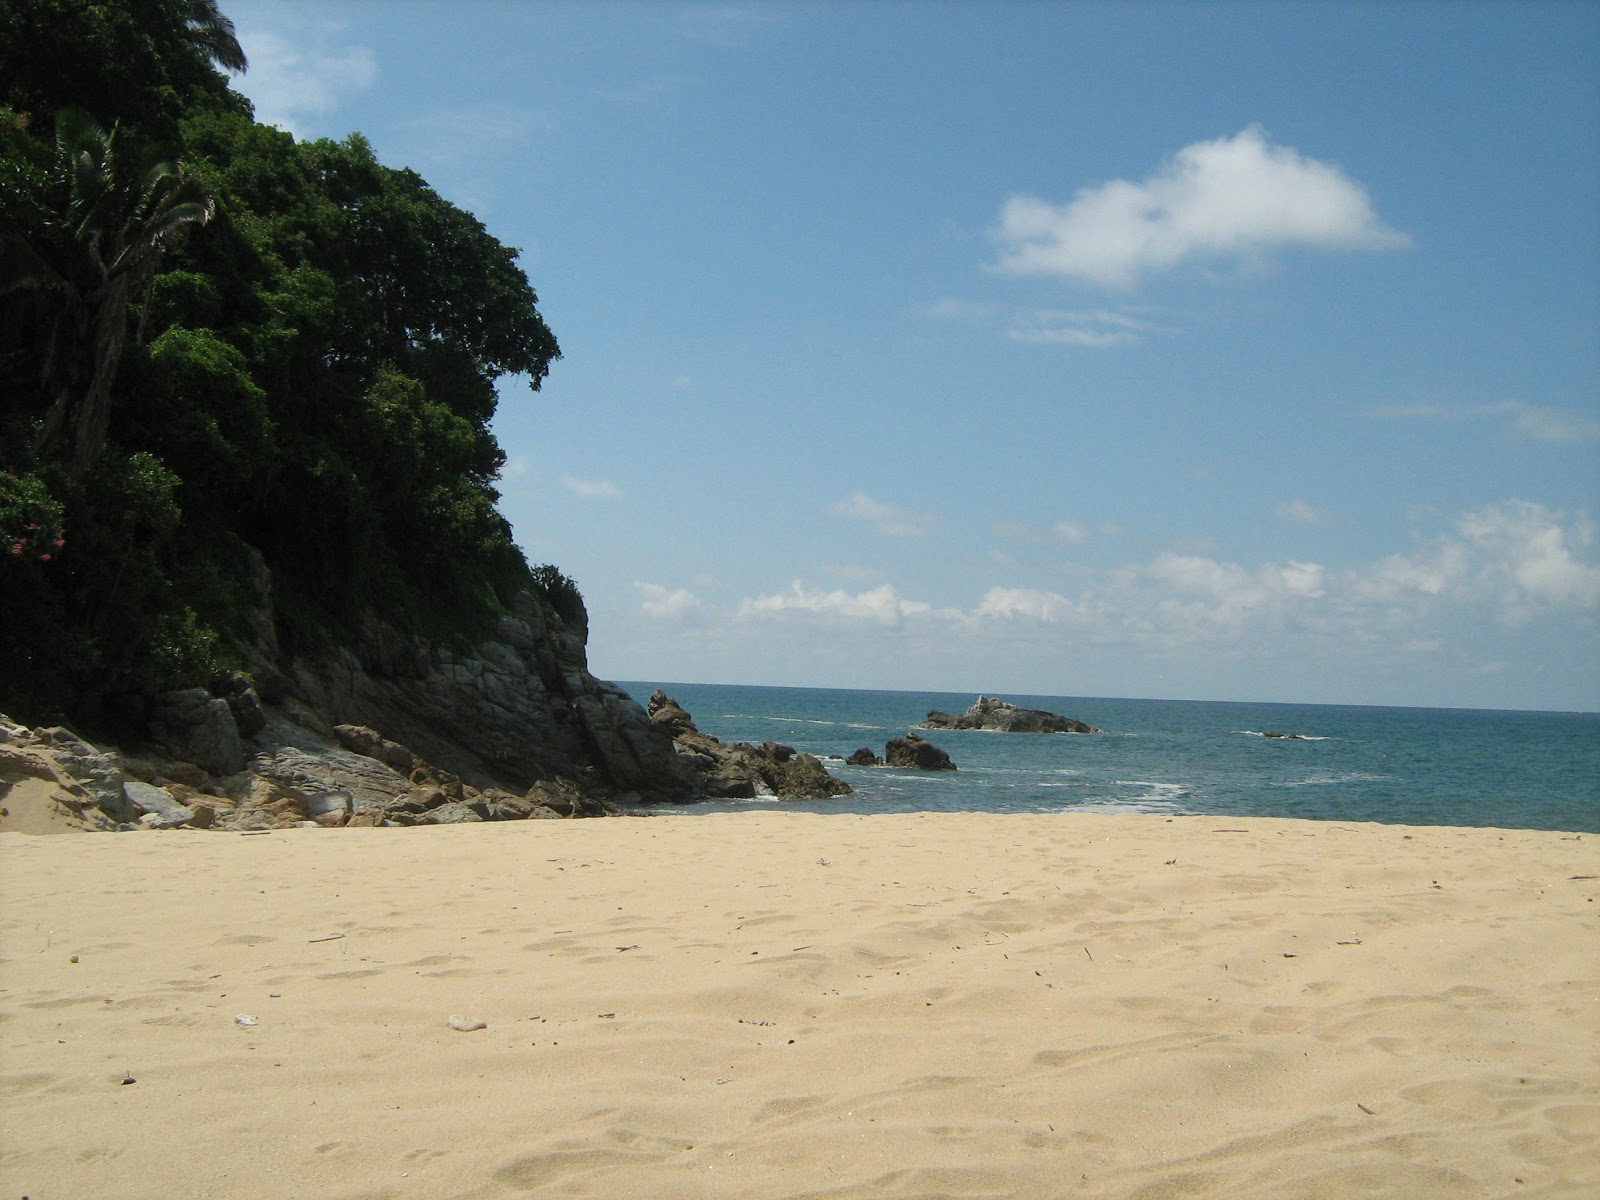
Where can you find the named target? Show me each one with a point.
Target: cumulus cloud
(1486, 574)
(1517, 558)
(669, 604)
(887, 519)
(880, 606)
(1002, 603)
(591, 489)
(296, 76)
(1232, 198)
(1531, 560)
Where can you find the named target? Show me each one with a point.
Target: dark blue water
(1414, 766)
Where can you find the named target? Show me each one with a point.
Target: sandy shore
(789, 1005)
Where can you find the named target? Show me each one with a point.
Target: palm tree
(211, 33)
(95, 251)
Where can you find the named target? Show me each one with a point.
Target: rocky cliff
(393, 730)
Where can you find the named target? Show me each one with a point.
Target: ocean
(1409, 766)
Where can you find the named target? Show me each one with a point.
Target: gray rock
(331, 807)
(1005, 717)
(454, 813)
(199, 728)
(916, 751)
(98, 772)
(155, 806)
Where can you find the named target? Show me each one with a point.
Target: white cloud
(299, 75)
(1232, 198)
(1541, 422)
(1518, 558)
(1096, 330)
(1303, 512)
(591, 489)
(1528, 558)
(881, 606)
(670, 604)
(1463, 598)
(952, 308)
(1065, 531)
(1000, 603)
(887, 519)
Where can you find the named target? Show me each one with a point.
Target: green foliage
(309, 381)
(30, 518)
(562, 593)
(139, 61)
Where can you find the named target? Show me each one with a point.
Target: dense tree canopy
(221, 348)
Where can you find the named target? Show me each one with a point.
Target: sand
(788, 1005)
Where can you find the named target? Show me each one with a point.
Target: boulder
(864, 758)
(198, 728)
(333, 807)
(369, 742)
(913, 750)
(1005, 717)
(155, 807)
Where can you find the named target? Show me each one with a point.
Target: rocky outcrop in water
(914, 750)
(740, 770)
(1005, 717)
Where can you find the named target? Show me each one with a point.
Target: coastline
(784, 1004)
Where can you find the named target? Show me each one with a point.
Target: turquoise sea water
(1414, 766)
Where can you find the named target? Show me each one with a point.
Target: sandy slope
(788, 1005)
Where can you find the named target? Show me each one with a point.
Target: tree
(107, 215)
(140, 62)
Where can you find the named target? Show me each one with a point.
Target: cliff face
(518, 708)
(394, 730)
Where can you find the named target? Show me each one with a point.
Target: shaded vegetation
(223, 349)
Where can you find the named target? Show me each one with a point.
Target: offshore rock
(916, 751)
(1005, 717)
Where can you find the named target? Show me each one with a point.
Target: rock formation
(392, 730)
(1005, 717)
(741, 771)
(914, 750)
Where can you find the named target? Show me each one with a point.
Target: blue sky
(1196, 351)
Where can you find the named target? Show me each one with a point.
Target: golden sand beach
(789, 1005)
